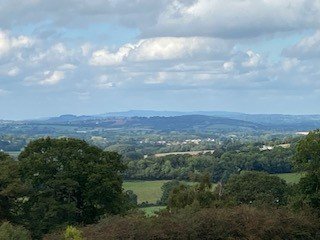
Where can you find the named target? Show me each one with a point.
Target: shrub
(72, 233)
(10, 232)
(241, 222)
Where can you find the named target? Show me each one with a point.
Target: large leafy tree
(200, 194)
(307, 159)
(71, 182)
(167, 188)
(11, 187)
(257, 188)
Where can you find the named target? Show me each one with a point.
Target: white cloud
(166, 48)
(160, 77)
(104, 57)
(253, 60)
(8, 43)
(228, 66)
(154, 18)
(67, 66)
(308, 47)
(289, 63)
(52, 78)
(13, 72)
(104, 82)
(233, 18)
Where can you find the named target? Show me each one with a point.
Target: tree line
(220, 165)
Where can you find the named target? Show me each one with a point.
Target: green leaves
(307, 157)
(257, 188)
(71, 182)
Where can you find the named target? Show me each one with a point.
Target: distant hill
(176, 123)
(182, 121)
(151, 113)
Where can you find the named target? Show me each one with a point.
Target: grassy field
(147, 191)
(150, 191)
(150, 211)
(291, 177)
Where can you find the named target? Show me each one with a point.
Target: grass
(151, 211)
(147, 191)
(150, 191)
(291, 177)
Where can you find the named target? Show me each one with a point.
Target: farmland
(291, 177)
(147, 191)
(150, 191)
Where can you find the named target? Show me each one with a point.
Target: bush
(242, 222)
(257, 188)
(10, 232)
(72, 233)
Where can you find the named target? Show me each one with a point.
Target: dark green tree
(307, 159)
(11, 188)
(71, 182)
(200, 194)
(257, 188)
(132, 198)
(167, 189)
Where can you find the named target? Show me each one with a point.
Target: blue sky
(254, 56)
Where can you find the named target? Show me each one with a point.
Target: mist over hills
(183, 121)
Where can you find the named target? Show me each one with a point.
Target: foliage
(10, 232)
(71, 182)
(147, 191)
(307, 158)
(132, 198)
(152, 211)
(11, 187)
(210, 223)
(166, 189)
(72, 233)
(200, 194)
(257, 188)
(221, 164)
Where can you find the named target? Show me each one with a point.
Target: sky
(96, 56)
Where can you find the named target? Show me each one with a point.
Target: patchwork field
(147, 191)
(150, 191)
(291, 177)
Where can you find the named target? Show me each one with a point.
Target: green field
(150, 191)
(150, 211)
(291, 177)
(147, 191)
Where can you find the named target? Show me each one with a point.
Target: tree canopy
(70, 182)
(307, 158)
(257, 188)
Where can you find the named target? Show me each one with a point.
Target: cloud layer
(142, 51)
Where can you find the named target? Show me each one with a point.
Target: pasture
(150, 191)
(291, 178)
(147, 191)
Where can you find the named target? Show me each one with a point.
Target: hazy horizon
(149, 110)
